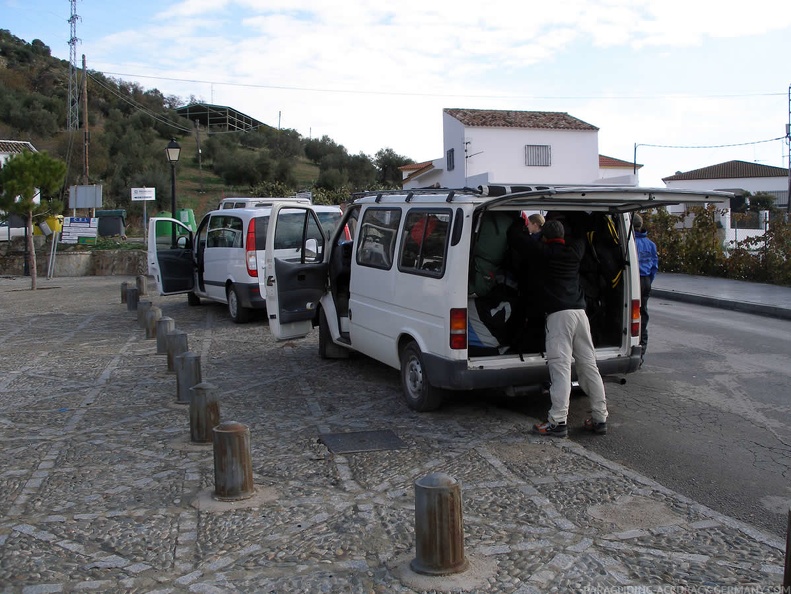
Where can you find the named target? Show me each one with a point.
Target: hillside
(130, 126)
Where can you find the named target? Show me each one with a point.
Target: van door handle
(270, 281)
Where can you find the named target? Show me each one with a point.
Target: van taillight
(249, 247)
(458, 328)
(635, 317)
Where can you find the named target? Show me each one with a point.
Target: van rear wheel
(239, 314)
(420, 395)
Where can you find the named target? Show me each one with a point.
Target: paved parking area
(102, 491)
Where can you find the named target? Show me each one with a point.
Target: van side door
(295, 278)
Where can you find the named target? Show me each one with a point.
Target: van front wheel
(420, 395)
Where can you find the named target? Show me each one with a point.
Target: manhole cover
(361, 441)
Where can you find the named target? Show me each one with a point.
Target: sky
(681, 84)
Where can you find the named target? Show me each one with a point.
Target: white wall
(501, 153)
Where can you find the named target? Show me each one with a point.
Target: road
(709, 414)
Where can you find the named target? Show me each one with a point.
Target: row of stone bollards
(233, 470)
(439, 532)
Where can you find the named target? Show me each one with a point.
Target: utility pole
(788, 140)
(200, 158)
(86, 135)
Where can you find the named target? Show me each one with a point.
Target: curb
(769, 311)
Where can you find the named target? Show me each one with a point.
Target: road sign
(144, 194)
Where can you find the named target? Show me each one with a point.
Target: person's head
(535, 222)
(637, 222)
(553, 230)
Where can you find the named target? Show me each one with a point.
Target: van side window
(424, 242)
(377, 237)
(224, 231)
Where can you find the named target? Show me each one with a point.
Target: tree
(20, 178)
(387, 161)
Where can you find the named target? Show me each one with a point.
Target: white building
(738, 177)
(485, 146)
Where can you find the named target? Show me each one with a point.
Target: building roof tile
(494, 118)
(12, 147)
(729, 170)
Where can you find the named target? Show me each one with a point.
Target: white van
(224, 261)
(257, 202)
(423, 270)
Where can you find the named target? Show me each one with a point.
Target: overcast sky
(373, 74)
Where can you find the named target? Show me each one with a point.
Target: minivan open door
(170, 259)
(296, 273)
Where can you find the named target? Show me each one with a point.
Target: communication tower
(73, 113)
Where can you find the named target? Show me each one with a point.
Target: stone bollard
(132, 298)
(143, 305)
(439, 533)
(142, 284)
(153, 315)
(204, 412)
(124, 287)
(177, 345)
(188, 374)
(233, 465)
(787, 569)
(164, 327)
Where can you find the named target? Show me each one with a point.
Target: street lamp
(172, 152)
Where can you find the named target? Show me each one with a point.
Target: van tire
(192, 299)
(327, 348)
(239, 314)
(420, 395)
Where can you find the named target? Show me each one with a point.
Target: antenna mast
(73, 113)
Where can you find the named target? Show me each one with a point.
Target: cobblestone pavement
(102, 490)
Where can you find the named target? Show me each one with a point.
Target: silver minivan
(425, 284)
(224, 260)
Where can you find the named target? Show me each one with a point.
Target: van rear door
(296, 272)
(605, 198)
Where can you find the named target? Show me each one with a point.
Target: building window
(538, 155)
(451, 158)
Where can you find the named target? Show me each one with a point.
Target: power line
(711, 145)
(416, 94)
(139, 107)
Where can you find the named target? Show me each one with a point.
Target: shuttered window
(538, 155)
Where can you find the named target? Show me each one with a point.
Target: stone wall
(72, 261)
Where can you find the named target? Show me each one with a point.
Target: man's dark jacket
(553, 267)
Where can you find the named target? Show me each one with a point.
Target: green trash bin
(163, 228)
(186, 216)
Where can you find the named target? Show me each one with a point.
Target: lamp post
(172, 152)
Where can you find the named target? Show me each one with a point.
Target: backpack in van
(493, 321)
(489, 253)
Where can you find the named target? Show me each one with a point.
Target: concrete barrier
(188, 374)
(165, 326)
(153, 316)
(177, 345)
(204, 412)
(439, 530)
(233, 466)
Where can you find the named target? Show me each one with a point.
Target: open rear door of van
(170, 258)
(606, 198)
(296, 271)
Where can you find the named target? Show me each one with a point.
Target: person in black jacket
(553, 265)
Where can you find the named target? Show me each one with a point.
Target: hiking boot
(595, 427)
(551, 429)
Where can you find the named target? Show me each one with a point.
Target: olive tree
(22, 177)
